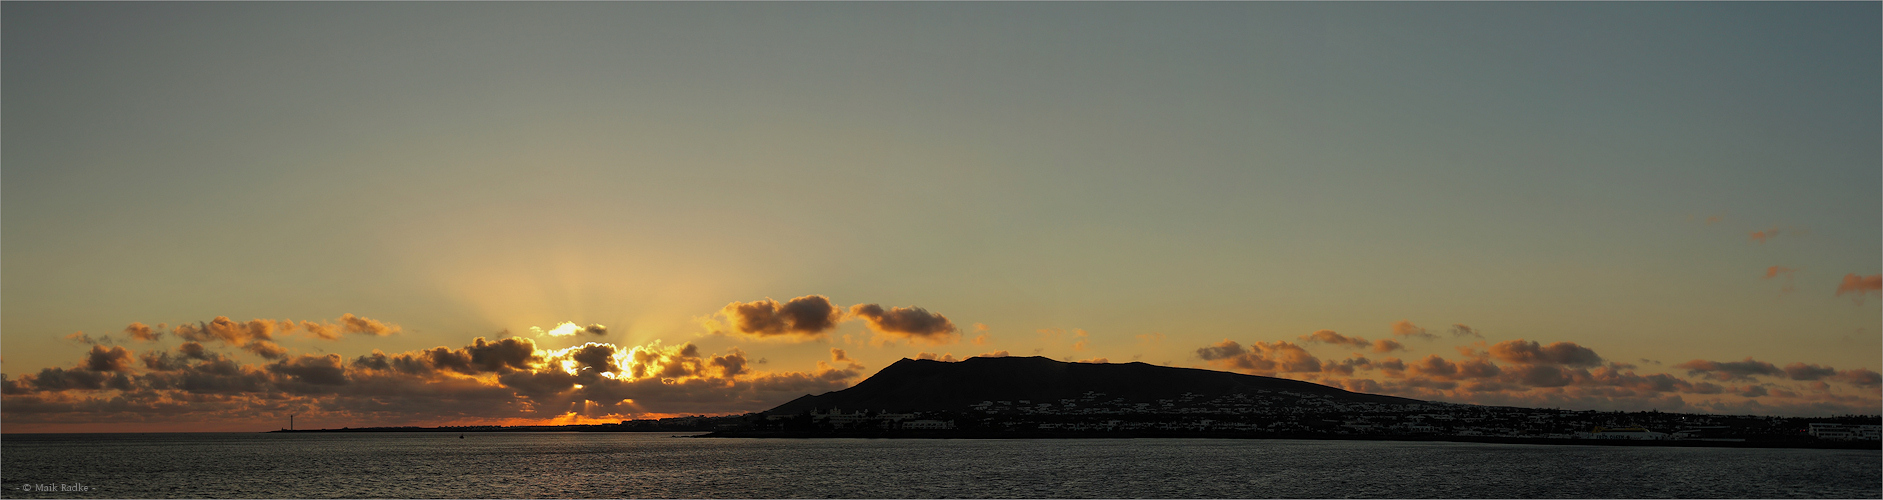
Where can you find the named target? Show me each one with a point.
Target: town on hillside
(1287, 414)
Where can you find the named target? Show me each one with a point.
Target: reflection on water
(593, 465)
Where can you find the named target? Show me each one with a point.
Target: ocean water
(659, 465)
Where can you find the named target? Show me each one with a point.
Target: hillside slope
(928, 385)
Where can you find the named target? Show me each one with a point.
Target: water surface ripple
(646, 465)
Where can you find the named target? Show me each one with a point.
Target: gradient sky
(1688, 192)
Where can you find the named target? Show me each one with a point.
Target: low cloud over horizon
(195, 372)
(1561, 374)
(503, 380)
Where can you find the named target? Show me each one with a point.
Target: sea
(667, 465)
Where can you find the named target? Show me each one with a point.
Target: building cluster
(835, 418)
(1845, 432)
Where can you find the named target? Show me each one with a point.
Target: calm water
(591, 465)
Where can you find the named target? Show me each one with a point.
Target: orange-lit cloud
(1776, 271)
(1730, 370)
(260, 333)
(142, 332)
(805, 317)
(231, 332)
(1803, 371)
(83, 338)
(1564, 374)
(911, 323)
(1560, 353)
(1860, 377)
(1331, 337)
(486, 380)
(1261, 358)
(1860, 285)
(1406, 329)
(1463, 330)
(115, 359)
(569, 328)
(1761, 236)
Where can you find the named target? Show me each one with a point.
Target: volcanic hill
(929, 385)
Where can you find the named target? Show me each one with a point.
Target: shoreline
(1685, 443)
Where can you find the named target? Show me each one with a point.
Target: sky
(215, 215)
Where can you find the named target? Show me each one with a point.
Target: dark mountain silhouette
(928, 385)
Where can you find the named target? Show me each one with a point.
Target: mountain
(929, 385)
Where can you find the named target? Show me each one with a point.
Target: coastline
(955, 434)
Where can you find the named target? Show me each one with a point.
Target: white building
(929, 424)
(1621, 433)
(1843, 432)
(837, 418)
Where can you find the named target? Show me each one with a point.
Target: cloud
(1860, 285)
(949, 358)
(1385, 346)
(1261, 358)
(142, 332)
(806, 317)
(1860, 377)
(362, 325)
(1221, 350)
(1462, 330)
(912, 323)
(1405, 328)
(567, 328)
(1730, 370)
(505, 380)
(983, 338)
(265, 349)
(995, 354)
(1330, 337)
(115, 359)
(82, 338)
(317, 370)
(1761, 236)
(1560, 353)
(1542, 375)
(222, 329)
(1802, 371)
(1096, 361)
(229, 331)
(482, 356)
(1776, 271)
(1434, 366)
(345, 324)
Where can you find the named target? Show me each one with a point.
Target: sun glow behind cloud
(569, 328)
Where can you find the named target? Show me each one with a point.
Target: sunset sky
(219, 214)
